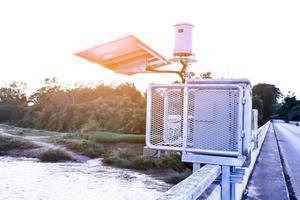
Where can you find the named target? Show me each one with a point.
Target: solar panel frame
(125, 55)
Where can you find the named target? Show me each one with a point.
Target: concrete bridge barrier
(195, 185)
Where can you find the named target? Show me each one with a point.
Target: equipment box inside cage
(204, 118)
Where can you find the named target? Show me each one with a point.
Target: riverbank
(81, 146)
(16, 147)
(38, 143)
(117, 150)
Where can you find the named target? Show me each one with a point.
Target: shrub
(121, 157)
(108, 137)
(85, 147)
(54, 155)
(112, 138)
(91, 125)
(171, 161)
(21, 132)
(9, 143)
(127, 158)
(174, 177)
(143, 163)
(168, 164)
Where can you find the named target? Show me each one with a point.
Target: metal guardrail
(201, 184)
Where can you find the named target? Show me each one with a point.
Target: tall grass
(83, 146)
(174, 177)
(30, 132)
(91, 144)
(9, 143)
(169, 167)
(54, 155)
(127, 158)
(108, 137)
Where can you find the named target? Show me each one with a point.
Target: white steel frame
(184, 148)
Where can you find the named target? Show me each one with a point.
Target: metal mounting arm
(183, 73)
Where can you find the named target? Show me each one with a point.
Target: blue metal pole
(232, 186)
(196, 167)
(225, 193)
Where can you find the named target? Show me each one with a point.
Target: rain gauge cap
(183, 39)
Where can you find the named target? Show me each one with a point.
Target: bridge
(208, 121)
(273, 173)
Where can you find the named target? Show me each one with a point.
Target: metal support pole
(225, 182)
(196, 167)
(158, 153)
(185, 118)
(232, 186)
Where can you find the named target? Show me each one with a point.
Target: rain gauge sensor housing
(207, 120)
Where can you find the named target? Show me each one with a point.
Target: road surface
(288, 136)
(267, 180)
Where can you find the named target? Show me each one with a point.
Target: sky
(257, 39)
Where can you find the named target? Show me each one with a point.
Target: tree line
(104, 107)
(272, 104)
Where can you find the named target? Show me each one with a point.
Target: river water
(26, 178)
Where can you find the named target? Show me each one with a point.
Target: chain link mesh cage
(166, 117)
(212, 121)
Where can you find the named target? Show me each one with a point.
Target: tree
(206, 75)
(290, 108)
(50, 86)
(13, 100)
(287, 104)
(294, 113)
(269, 94)
(257, 103)
(86, 108)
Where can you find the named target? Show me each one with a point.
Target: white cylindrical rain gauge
(183, 39)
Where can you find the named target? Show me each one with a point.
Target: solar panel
(126, 55)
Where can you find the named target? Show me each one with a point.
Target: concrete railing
(202, 185)
(193, 186)
(254, 155)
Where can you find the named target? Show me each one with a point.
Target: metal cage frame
(185, 119)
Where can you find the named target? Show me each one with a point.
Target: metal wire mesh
(213, 119)
(213, 114)
(166, 117)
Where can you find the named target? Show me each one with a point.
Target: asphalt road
(288, 136)
(267, 180)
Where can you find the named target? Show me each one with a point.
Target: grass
(88, 144)
(126, 158)
(108, 137)
(100, 137)
(92, 144)
(85, 147)
(9, 143)
(170, 167)
(30, 132)
(54, 155)
(174, 177)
